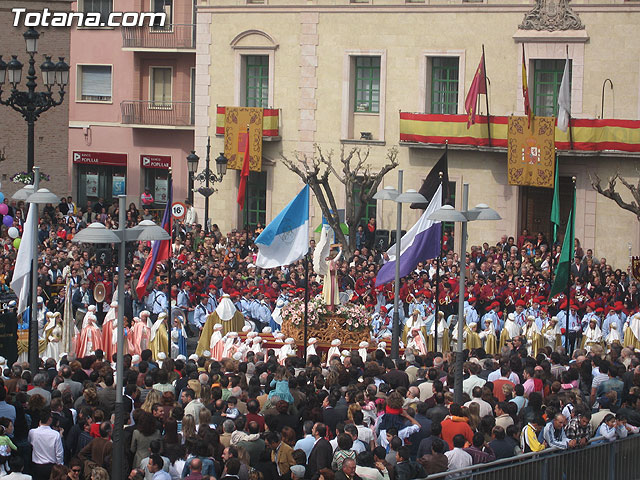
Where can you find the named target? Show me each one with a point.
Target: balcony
(170, 38)
(270, 123)
(169, 115)
(590, 136)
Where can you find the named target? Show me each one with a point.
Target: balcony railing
(146, 112)
(169, 37)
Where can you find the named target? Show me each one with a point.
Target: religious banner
(635, 268)
(236, 121)
(531, 151)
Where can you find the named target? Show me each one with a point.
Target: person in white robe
(614, 336)
(334, 350)
(229, 344)
(288, 349)
(216, 345)
(311, 346)
(510, 330)
(362, 350)
(592, 336)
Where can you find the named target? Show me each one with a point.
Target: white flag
(564, 100)
(22, 273)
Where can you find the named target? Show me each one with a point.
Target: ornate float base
(333, 327)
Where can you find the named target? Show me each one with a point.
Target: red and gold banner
(270, 121)
(635, 268)
(531, 151)
(588, 134)
(236, 121)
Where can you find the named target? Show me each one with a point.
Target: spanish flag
(478, 86)
(525, 90)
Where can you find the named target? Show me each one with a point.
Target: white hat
(530, 317)
(232, 334)
(91, 308)
(336, 342)
(289, 340)
(511, 316)
(174, 335)
(382, 345)
(135, 359)
(363, 344)
(114, 304)
(162, 315)
(91, 316)
(488, 320)
(345, 353)
(181, 357)
(312, 340)
(143, 312)
(40, 300)
(217, 326)
(3, 361)
(252, 334)
(266, 330)
(554, 318)
(206, 354)
(246, 328)
(256, 340)
(237, 356)
(280, 303)
(162, 356)
(193, 357)
(49, 314)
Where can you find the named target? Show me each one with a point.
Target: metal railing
(617, 460)
(148, 112)
(174, 36)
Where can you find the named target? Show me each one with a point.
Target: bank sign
(100, 158)
(155, 161)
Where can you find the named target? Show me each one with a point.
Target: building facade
(340, 71)
(131, 105)
(51, 128)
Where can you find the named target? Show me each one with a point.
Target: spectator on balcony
(146, 199)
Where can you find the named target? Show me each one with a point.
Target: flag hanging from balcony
(478, 86)
(236, 120)
(525, 90)
(245, 146)
(531, 152)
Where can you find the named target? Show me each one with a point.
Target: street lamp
(98, 233)
(31, 104)
(410, 196)
(207, 176)
(448, 214)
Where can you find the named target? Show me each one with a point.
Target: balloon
(8, 221)
(4, 209)
(16, 243)
(2, 198)
(13, 232)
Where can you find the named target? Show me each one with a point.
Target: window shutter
(96, 81)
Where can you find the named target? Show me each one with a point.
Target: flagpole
(437, 302)
(569, 115)
(568, 292)
(170, 263)
(486, 94)
(306, 306)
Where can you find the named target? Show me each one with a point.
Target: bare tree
(355, 171)
(611, 193)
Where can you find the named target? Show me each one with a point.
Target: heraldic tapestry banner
(236, 121)
(531, 152)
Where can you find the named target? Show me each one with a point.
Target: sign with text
(100, 158)
(155, 161)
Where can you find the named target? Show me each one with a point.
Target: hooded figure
(53, 335)
(442, 337)
(362, 351)
(417, 341)
(632, 332)
(286, 350)
(592, 335)
(276, 316)
(216, 345)
(90, 337)
(488, 335)
(227, 315)
(159, 339)
(109, 331)
(311, 346)
(334, 350)
(614, 336)
(551, 333)
(510, 330)
(180, 334)
(229, 345)
(140, 335)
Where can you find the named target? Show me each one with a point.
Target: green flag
(564, 264)
(555, 206)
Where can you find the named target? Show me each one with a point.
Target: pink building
(131, 110)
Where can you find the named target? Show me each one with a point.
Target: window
(255, 203)
(161, 87)
(367, 85)
(103, 7)
(370, 208)
(444, 85)
(163, 6)
(95, 83)
(257, 81)
(546, 85)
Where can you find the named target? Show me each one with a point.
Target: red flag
(478, 86)
(525, 90)
(244, 175)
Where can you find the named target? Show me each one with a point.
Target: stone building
(341, 72)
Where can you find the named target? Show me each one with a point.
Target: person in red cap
(470, 311)
(574, 325)
(611, 317)
(590, 313)
(520, 314)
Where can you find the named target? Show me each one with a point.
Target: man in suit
(81, 298)
(578, 269)
(281, 454)
(348, 471)
(330, 414)
(322, 452)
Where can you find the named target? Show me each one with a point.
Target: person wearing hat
(139, 334)
(415, 320)
(200, 314)
(488, 336)
(311, 347)
(90, 338)
(178, 336)
(230, 344)
(592, 336)
(159, 339)
(212, 301)
(574, 328)
(157, 301)
(520, 317)
(492, 313)
(632, 332)
(109, 331)
(442, 337)
(510, 330)
(590, 312)
(362, 350)
(417, 342)
(334, 350)
(287, 350)
(216, 345)
(611, 317)
(532, 334)
(41, 312)
(470, 312)
(552, 334)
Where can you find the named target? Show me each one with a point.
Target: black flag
(432, 182)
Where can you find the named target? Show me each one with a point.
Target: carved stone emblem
(551, 15)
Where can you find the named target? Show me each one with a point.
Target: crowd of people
(538, 373)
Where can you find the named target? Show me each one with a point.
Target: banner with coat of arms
(531, 151)
(635, 268)
(236, 121)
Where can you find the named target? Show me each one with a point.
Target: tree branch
(611, 193)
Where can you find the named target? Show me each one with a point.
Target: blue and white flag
(420, 243)
(286, 238)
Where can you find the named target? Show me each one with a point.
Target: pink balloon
(4, 209)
